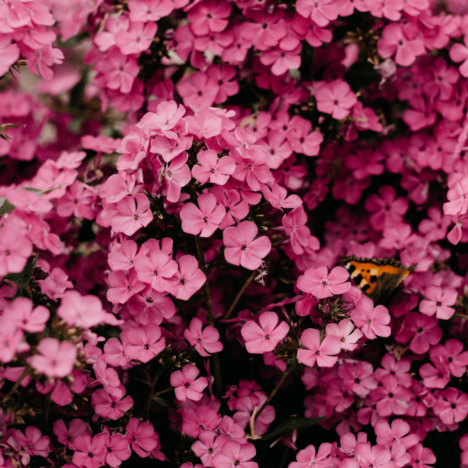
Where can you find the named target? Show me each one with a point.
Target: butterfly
(377, 278)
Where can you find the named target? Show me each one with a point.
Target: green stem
(150, 398)
(272, 394)
(209, 318)
(239, 294)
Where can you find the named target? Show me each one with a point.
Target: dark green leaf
(163, 402)
(292, 365)
(22, 279)
(290, 424)
(5, 206)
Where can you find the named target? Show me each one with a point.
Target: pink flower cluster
(179, 184)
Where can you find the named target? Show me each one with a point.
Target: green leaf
(5, 206)
(292, 365)
(290, 424)
(41, 192)
(22, 279)
(163, 402)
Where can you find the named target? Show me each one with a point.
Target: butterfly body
(377, 278)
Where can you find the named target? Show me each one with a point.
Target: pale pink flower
(346, 333)
(438, 301)
(156, 270)
(209, 445)
(242, 249)
(188, 280)
(309, 458)
(187, 386)
(21, 313)
(9, 53)
(235, 454)
(133, 214)
(137, 38)
(373, 321)
(166, 117)
(15, 250)
(319, 283)
(264, 336)
(204, 219)
(176, 175)
(213, 170)
(324, 352)
(55, 359)
(278, 197)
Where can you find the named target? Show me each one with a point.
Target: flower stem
(209, 318)
(272, 394)
(239, 294)
(13, 389)
(150, 398)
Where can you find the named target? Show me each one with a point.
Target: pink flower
(188, 280)
(302, 139)
(121, 71)
(55, 359)
(176, 175)
(235, 454)
(335, 98)
(321, 12)
(242, 249)
(28, 201)
(281, 61)
(89, 451)
(452, 406)
(110, 406)
(209, 445)
(358, 377)
(166, 117)
(323, 353)
(133, 214)
(69, 436)
(15, 250)
(137, 38)
(251, 166)
(346, 333)
(373, 321)
(21, 313)
(438, 302)
(205, 341)
(459, 53)
(144, 343)
(295, 227)
(307, 457)
(213, 170)
(452, 356)
(434, 377)
(203, 220)
(198, 90)
(142, 437)
(396, 38)
(398, 432)
(156, 270)
(9, 53)
(116, 448)
(187, 386)
(209, 16)
(264, 337)
(421, 456)
(318, 282)
(151, 306)
(196, 421)
(278, 198)
(372, 456)
(10, 340)
(422, 330)
(124, 286)
(33, 442)
(390, 397)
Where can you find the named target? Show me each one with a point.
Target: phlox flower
(277, 196)
(133, 214)
(213, 170)
(198, 90)
(123, 286)
(321, 12)
(151, 306)
(89, 451)
(347, 334)
(28, 201)
(397, 432)
(373, 321)
(208, 446)
(156, 269)
(335, 98)
(137, 38)
(438, 301)
(459, 53)
(421, 456)
(235, 454)
(308, 457)
(251, 166)
(264, 336)
(21, 313)
(14, 251)
(358, 377)
(295, 227)
(318, 282)
(186, 384)
(9, 53)
(209, 16)
(242, 248)
(166, 117)
(176, 175)
(55, 359)
(110, 406)
(10, 340)
(397, 368)
(141, 437)
(451, 355)
(324, 352)
(375, 456)
(236, 209)
(68, 436)
(196, 421)
(144, 343)
(391, 397)
(116, 448)
(204, 341)
(204, 219)
(452, 406)
(188, 279)
(422, 330)
(434, 377)
(33, 442)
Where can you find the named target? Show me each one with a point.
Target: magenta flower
(10, 340)
(452, 406)
(196, 421)
(251, 166)
(347, 334)
(204, 341)
(264, 336)
(451, 355)
(397, 432)
(133, 214)
(391, 398)
(9, 53)
(33, 442)
(324, 352)
(318, 282)
(144, 343)
(398, 40)
(438, 301)
(124, 286)
(137, 38)
(377, 456)
(186, 384)
(459, 53)
(204, 219)
(373, 321)
(278, 197)
(213, 170)
(21, 312)
(235, 454)
(198, 90)
(209, 16)
(308, 457)
(14, 251)
(116, 448)
(335, 98)
(141, 437)
(188, 280)
(156, 270)
(68, 436)
(151, 306)
(111, 406)
(89, 451)
(421, 456)
(208, 446)
(281, 61)
(166, 117)
(29, 202)
(321, 12)
(295, 227)
(242, 249)
(55, 359)
(176, 175)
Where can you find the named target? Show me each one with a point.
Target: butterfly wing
(377, 278)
